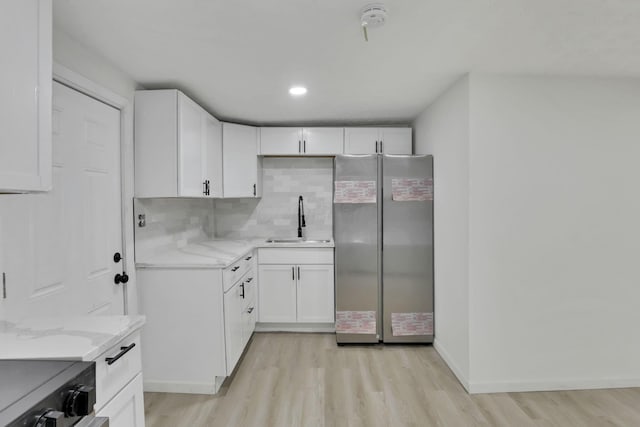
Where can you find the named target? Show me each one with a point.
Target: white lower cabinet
(277, 300)
(119, 394)
(199, 321)
(315, 300)
(239, 318)
(127, 408)
(296, 285)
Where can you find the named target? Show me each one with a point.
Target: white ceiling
(239, 57)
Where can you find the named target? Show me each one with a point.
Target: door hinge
(4, 285)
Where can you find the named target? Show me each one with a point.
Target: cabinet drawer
(234, 272)
(249, 290)
(295, 256)
(110, 379)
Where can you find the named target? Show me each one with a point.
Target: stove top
(21, 377)
(31, 388)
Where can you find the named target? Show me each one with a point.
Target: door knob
(121, 278)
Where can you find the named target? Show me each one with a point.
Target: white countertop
(64, 337)
(216, 253)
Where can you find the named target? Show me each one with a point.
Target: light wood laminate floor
(307, 380)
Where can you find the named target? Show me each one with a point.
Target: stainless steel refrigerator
(383, 232)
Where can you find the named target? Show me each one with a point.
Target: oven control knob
(51, 418)
(80, 401)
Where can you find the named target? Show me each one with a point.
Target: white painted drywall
(443, 131)
(554, 233)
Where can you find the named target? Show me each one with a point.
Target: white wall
(554, 233)
(443, 131)
(16, 210)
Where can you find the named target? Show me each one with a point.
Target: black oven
(48, 393)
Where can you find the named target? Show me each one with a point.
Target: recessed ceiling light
(297, 90)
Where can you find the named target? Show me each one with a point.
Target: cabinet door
(190, 148)
(323, 141)
(361, 140)
(212, 156)
(396, 140)
(126, 409)
(315, 293)
(280, 141)
(277, 293)
(240, 161)
(25, 95)
(233, 326)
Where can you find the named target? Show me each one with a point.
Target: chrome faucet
(301, 222)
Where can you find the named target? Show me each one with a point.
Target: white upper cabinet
(361, 140)
(240, 162)
(25, 96)
(323, 141)
(280, 141)
(178, 147)
(212, 155)
(377, 140)
(191, 182)
(396, 140)
(291, 141)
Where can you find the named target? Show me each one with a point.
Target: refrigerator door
(407, 249)
(356, 235)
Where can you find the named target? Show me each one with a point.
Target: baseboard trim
(296, 327)
(182, 387)
(552, 385)
(451, 364)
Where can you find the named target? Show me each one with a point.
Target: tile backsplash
(171, 223)
(276, 213)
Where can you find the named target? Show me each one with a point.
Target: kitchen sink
(275, 240)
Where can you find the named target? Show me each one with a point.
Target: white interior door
(66, 238)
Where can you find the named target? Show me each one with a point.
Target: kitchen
(530, 267)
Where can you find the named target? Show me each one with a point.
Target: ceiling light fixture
(297, 90)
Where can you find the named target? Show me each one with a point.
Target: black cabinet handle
(304, 146)
(293, 273)
(117, 257)
(298, 273)
(249, 279)
(254, 190)
(123, 351)
(376, 147)
(242, 286)
(299, 149)
(235, 268)
(248, 258)
(381, 149)
(250, 310)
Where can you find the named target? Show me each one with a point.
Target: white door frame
(70, 78)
